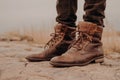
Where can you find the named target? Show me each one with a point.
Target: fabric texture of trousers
(94, 11)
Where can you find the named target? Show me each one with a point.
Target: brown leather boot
(59, 43)
(86, 49)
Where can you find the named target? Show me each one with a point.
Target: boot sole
(95, 60)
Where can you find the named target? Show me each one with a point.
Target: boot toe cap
(34, 58)
(60, 59)
(55, 59)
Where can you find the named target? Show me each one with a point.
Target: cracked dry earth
(13, 66)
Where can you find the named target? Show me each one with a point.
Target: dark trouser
(94, 11)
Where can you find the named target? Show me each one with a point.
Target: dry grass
(38, 35)
(35, 35)
(111, 38)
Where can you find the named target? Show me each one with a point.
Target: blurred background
(41, 13)
(35, 19)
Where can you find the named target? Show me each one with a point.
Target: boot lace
(82, 39)
(55, 38)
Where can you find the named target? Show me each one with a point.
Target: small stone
(22, 60)
(112, 59)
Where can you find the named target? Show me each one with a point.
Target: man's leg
(66, 10)
(88, 46)
(94, 11)
(63, 35)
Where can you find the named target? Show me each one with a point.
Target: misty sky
(39, 13)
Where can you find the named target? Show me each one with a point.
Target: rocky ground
(13, 66)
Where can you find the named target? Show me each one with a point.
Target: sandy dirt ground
(13, 66)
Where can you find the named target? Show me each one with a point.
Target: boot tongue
(89, 27)
(59, 28)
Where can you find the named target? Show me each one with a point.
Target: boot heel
(100, 60)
